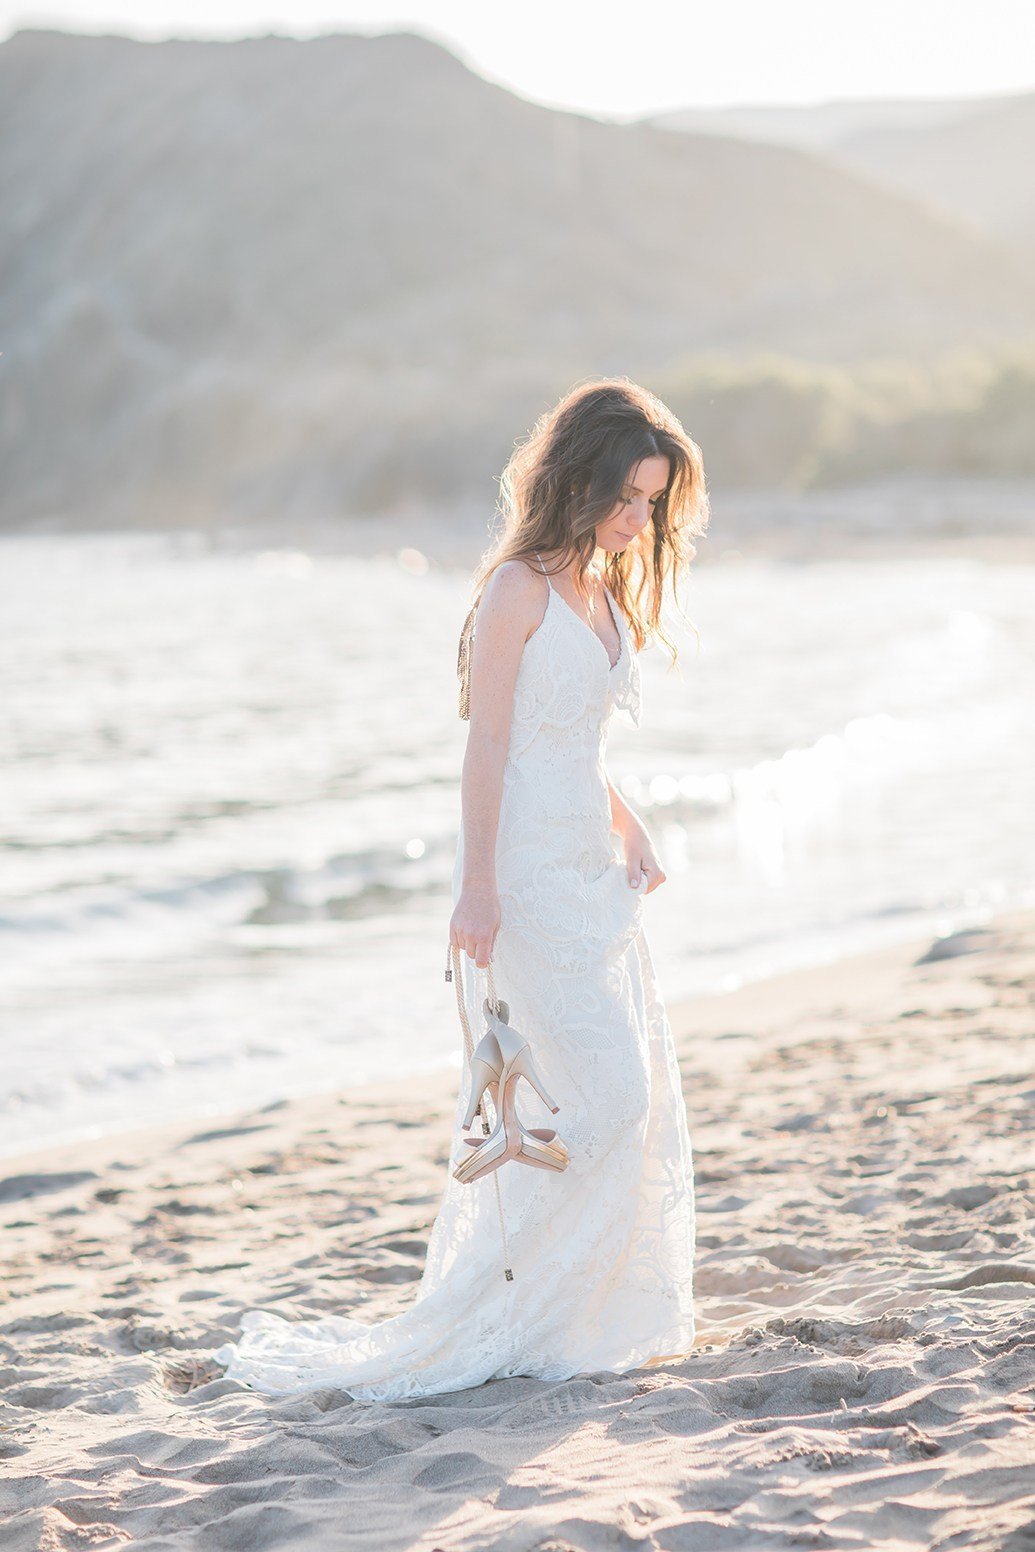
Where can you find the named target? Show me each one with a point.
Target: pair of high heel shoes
(500, 1059)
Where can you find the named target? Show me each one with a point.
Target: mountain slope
(967, 158)
(276, 274)
(976, 166)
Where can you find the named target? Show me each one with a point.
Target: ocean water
(231, 794)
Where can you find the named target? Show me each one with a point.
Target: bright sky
(642, 57)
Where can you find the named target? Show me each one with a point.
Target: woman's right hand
(475, 922)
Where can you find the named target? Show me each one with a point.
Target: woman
(594, 1272)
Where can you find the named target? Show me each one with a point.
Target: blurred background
(280, 288)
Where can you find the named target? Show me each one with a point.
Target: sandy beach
(864, 1375)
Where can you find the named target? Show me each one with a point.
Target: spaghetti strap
(549, 584)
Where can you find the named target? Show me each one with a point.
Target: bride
(564, 1240)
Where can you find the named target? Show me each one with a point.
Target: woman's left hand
(641, 859)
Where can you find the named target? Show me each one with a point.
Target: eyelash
(627, 501)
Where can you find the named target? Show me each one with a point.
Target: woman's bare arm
(510, 609)
(622, 816)
(640, 855)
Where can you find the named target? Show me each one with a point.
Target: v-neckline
(586, 625)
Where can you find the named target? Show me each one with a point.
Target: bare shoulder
(515, 579)
(516, 591)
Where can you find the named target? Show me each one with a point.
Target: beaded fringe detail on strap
(454, 974)
(463, 664)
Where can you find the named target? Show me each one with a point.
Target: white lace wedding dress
(602, 1252)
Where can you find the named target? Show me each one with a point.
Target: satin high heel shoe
(538, 1146)
(500, 1059)
(502, 1143)
(516, 1053)
(486, 1069)
(486, 1066)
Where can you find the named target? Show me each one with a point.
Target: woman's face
(645, 484)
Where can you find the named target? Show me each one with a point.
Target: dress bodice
(556, 859)
(567, 688)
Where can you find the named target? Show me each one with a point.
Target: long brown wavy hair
(568, 476)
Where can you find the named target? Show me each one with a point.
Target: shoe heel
(524, 1064)
(516, 1057)
(486, 1066)
(482, 1074)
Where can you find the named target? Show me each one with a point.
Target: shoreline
(797, 989)
(864, 1368)
(440, 1076)
(906, 516)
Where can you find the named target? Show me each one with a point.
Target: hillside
(272, 276)
(976, 166)
(969, 158)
